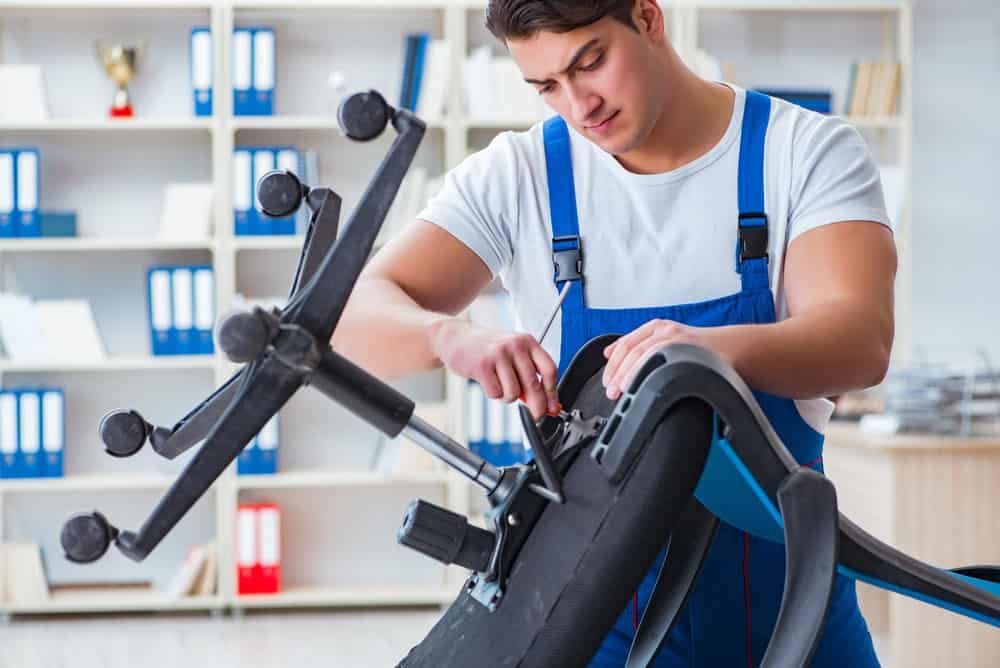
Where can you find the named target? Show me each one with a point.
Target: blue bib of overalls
(734, 604)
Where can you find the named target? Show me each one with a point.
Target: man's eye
(545, 90)
(593, 66)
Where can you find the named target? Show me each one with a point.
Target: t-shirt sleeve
(477, 203)
(834, 178)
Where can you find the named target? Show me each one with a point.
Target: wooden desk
(937, 499)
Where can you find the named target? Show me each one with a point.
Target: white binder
(263, 71)
(269, 525)
(8, 435)
(242, 190)
(6, 194)
(242, 72)
(288, 158)
(495, 431)
(201, 71)
(53, 432)
(264, 160)
(515, 433)
(160, 319)
(26, 201)
(246, 539)
(182, 295)
(204, 309)
(476, 418)
(267, 447)
(29, 415)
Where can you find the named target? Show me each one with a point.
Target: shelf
(846, 6)
(891, 122)
(75, 244)
(305, 479)
(510, 123)
(342, 4)
(289, 242)
(348, 596)
(107, 124)
(113, 600)
(876, 122)
(137, 363)
(88, 483)
(315, 122)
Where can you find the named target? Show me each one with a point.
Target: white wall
(956, 226)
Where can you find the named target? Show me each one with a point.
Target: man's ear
(648, 18)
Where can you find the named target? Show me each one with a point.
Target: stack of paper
(49, 329)
(940, 400)
(23, 96)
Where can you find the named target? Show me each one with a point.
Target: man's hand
(507, 365)
(627, 354)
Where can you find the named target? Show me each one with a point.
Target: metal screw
(513, 519)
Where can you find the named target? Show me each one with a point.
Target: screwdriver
(541, 337)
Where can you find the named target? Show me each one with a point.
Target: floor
(303, 639)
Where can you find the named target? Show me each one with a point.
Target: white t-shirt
(653, 240)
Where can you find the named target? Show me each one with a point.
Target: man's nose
(583, 103)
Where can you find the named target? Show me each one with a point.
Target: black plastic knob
(85, 537)
(243, 336)
(280, 193)
(364, 116)
(445, 536)
(124, 433)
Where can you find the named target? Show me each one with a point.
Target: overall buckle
(567, 258)
(753, 238)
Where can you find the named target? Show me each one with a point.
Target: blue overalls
(733, 606)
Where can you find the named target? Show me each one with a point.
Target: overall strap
(751, 244)
(567, 253)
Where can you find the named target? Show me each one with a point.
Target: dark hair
(520, 19)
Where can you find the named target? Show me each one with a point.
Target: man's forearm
(825, 352)
(385, 332)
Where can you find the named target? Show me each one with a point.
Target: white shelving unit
(339, 517)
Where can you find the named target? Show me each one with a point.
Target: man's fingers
(508, 380)
(550, 377)
(629, 366)
(532, 392)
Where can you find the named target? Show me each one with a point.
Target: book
(873, 89)
(207, 580)
(24, 578)
(433, 92)
(185, 578)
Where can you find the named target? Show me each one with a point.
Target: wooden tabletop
(847, 434)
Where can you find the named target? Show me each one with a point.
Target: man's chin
(613, 145)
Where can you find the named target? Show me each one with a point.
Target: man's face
(600, 78)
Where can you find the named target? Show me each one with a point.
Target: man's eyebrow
(572, 63)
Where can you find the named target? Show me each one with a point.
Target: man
(703, 214)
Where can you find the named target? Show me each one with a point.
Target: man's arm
(838, 334)
(413, 284)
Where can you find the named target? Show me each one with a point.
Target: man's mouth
(603, 124)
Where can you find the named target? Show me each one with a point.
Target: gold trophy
(120, 62)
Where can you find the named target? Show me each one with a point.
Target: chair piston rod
(452, 453)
